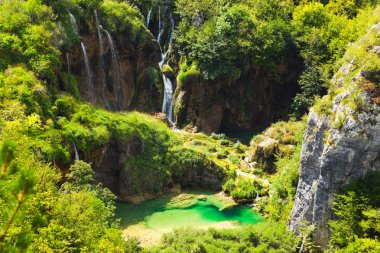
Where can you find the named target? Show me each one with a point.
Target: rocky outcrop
(257, 98)
(341, 143)
(116, 166)
(326, 167)
(279, 140)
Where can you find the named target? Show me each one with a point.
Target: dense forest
(276, 103)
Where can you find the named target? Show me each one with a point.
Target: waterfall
(116, 68)
(101, 59)
(74, 23)
(88, 69)
(161, 28)
(99, 33)
(68, 62)
(168, 103)
(168, 100)
(148, 17)
(86, 61)
(76, 157)
(171, 29)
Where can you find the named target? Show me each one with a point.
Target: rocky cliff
(126, 168)
(123, 66)
(342, 139)
(258, 97)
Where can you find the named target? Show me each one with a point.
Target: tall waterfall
(88, 69)
(148, 17)
(168, 102)
(101, 59)
(116, 68)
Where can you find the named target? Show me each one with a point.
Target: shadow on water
(244, 136)
(131, 214)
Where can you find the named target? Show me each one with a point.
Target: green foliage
(245, 189)
(266, 237)
(357, 209)
(70, 85)
(283, 183)
(28, 34)
(311, 85)
(121, 16)
(230, 39)
(18, 84)
(231, 35)
(363, 245)
(167, 71)
(322, 34)
(16, 187)
(81, 178)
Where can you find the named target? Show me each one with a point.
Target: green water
(244, 136)
(161, 214)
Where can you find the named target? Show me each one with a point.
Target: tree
(16, 184)
(81, 178)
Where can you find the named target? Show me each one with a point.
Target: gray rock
(325, 168)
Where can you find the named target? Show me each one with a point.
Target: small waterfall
(168, 101)
(76, 156)
(88, 69)
(116, 68)
(74, 23)
(148, 17)
(101, 59)
(68, 62)
(99, 33)
(86, 61)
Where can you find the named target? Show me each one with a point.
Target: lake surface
(149, 220)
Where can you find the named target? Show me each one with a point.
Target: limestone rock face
(325, 168)
(338, 147)
(258, 97)
(139, 75)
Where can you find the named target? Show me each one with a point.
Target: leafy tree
(16, 188)
(357, 210)
(81, 178)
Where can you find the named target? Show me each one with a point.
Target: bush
(356, 209)
(266, 237)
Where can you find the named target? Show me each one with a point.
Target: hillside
(109, 102)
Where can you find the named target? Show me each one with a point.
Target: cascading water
(84, 51)
(101, 51)
(148, 17)
(168, 102)
(88, 68)
(76, 154)
(116, 68)
(74, 23)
